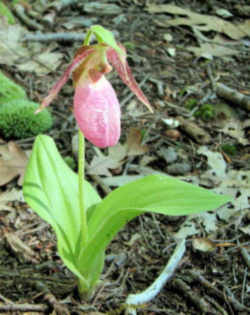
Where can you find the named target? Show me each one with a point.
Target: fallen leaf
(12, 163)
(216, 163)
(20, 247)
(203, 244)
(235, 129)
(10, 50)
(102, 164)
(234, 183)
(237, 184)
(125, 179)
(43, 63)
(26, 57)
(8, 196)
(118, 181)
(210, 50)
(134, 143)
(246, 229)
(200, 21)
(208, 220)
(188, 228)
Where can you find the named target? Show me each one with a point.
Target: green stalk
(83, 287)
(81, 160)
(81, 174)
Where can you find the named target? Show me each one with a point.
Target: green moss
(206, 112)
(229, 149)
(9, 90)
(4, 11)
(191, 103)
(17, 119)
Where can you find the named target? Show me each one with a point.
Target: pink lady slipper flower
(96, 107)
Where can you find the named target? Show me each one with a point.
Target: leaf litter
(13, 161)
(202, 22)
(175, 73)
(27, 59)
(7, 197)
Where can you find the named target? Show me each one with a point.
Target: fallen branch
(51, 37)
(20, 12)
(23, 308)
(233, 96)
(196, 299)
(192, 129)
(218, 293)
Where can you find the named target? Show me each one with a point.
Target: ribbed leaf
(155, 193)
(51, 189)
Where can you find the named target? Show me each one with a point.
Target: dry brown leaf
(210, 50)
(102, 164)
(134, 143)
(203, 244)
(200, 21)
(20, 247)
(26, 58)
(12, 163)
(44, 62)
(234, 128)
(9, 196)
(10, 48)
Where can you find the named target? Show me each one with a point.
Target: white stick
(136, 299)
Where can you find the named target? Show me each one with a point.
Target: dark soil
(214, 282)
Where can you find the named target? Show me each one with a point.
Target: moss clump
(206, 112)
(229, 149)
(191, 103)
(9, 90)
(4, 11)
(17, 119)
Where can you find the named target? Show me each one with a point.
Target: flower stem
(81, 160)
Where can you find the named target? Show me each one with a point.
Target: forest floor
(184, 56)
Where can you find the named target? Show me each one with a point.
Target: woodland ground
(178, 82)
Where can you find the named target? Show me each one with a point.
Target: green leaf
(51, 189)
(155, 193)
(105, 36)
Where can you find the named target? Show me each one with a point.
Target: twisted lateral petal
(97, 112)
(57, 87)
(123, 70)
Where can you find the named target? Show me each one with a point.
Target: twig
(198, 277)
(189, 293)
(20, 12)
(244, 285)
(51, 37)
(50, 298)
(66, 3)
(233, 96)
(236, 304)
(245, 256)
(23, 308)
(217, 305)
(199, 135)
(133, 300)
(211, 78)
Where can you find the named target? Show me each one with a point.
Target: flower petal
(97, 112)
(57, 87)
(120, 64)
